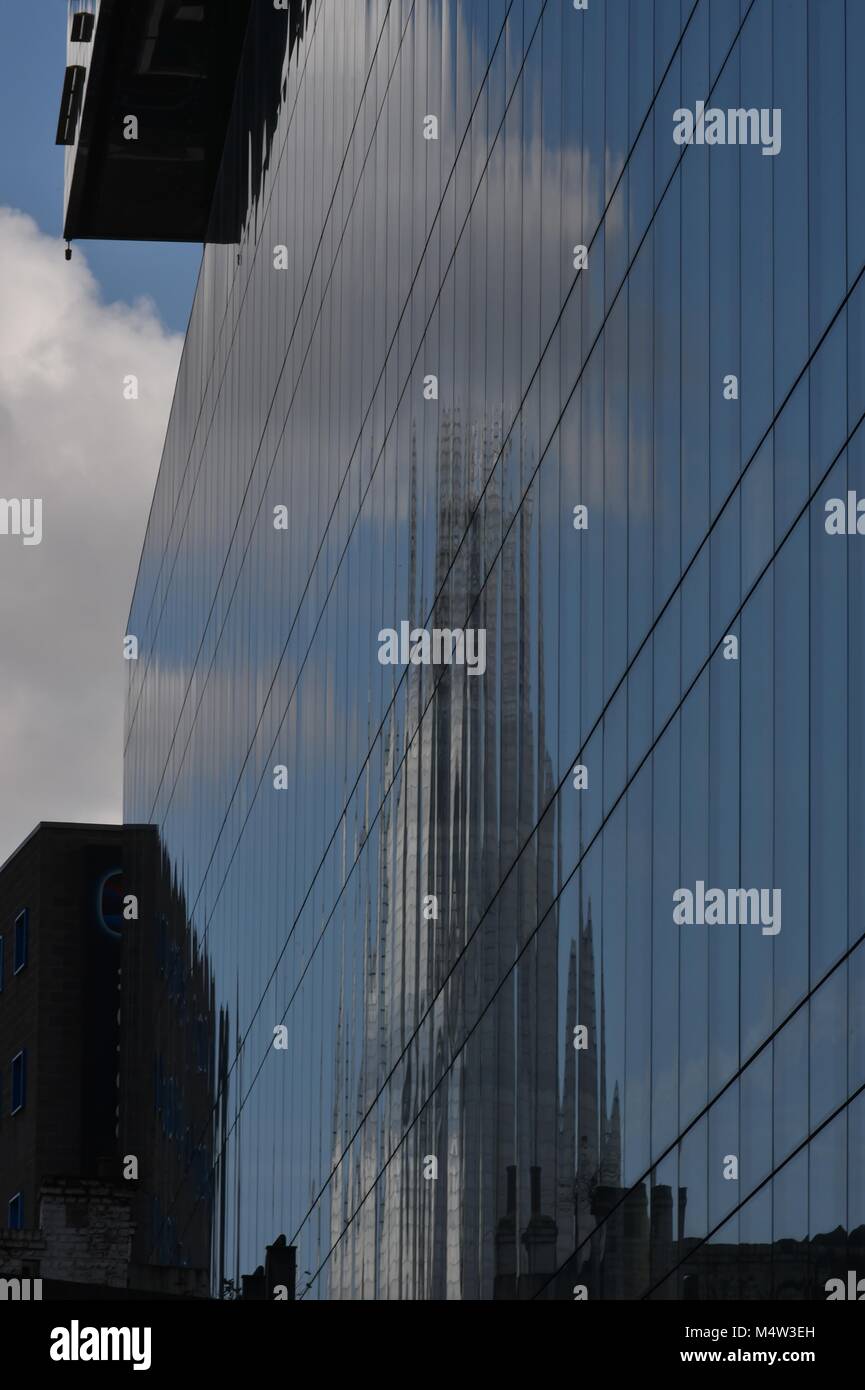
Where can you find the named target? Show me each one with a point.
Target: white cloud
(68, 436)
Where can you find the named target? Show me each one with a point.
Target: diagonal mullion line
(335, 506)
(805, 1143)
(306, 355)
(553, 906)
(684, 573)
(218, 333)
(587, 1239)
(578, 865)
(236, 328)
(500, 455)
(384, 719)
(671, 1147)
(306, 587)
(552, 334)
(366, 416)
(247, 543)
(276, 674)
(309, 647)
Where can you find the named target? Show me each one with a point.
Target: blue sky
(32, 62)
(69, 334)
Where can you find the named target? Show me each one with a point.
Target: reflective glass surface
(506, 1071)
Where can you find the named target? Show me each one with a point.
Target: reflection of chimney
(662, 1215)
(253, 1286)
(636, 1271)
(536, 1191)
(279, 1271)
(280, 1268)
(661, 1235)
(506, 1247)
(539, 1239)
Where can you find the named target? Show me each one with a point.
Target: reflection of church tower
(599, 1161)
(600, 1142)
(611, 1150)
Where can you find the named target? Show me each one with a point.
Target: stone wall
(87, 1227)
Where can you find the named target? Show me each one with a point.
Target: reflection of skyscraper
(486, 1181)
(446, 1035)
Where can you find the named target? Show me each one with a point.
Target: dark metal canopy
(172, 66)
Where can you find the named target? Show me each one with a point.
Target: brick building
(106, 1055)
(60, 945)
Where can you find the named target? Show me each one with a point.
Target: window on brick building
(16, 1212)
(19, 1081)
(21, 931)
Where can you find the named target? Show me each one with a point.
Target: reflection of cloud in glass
(416, 1035)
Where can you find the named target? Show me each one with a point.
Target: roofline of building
(90, 826)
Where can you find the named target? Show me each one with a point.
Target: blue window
(19, 1081)
(16, 1213)
(21, 925)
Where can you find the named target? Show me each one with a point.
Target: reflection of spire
(599, 1163)
(611, 1153)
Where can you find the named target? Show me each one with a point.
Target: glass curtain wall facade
(507, 1071)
